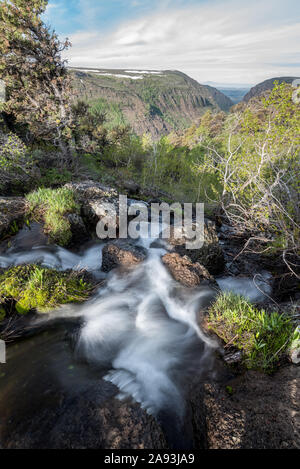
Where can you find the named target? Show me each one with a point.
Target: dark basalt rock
(78, 229)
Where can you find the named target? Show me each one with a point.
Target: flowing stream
(138, 334)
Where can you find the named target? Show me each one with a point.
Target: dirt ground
(257, 411)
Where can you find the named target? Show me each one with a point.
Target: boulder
(86, 418)
(12, 213)
(96, 200)
(210, 255)
(121, 253)
(78, 229)
(186, 272)
(87, 190)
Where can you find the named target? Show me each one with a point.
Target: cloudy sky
(223, 41)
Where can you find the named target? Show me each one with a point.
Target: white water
(142, 326)
(147, 332)
(55, 257)
(256, 289)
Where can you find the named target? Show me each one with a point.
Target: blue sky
(225, 41)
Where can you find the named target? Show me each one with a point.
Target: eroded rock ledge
(12, 213)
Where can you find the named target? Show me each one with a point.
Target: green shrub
(113, 113)
(263, 337)
(51, 205)
(16, 164)
(33, 287)
(54, 176)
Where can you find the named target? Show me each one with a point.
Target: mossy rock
(12, 214)
(32, 287)
(52, 207)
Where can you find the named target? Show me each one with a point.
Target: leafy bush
(32, 287)
(16, 165)
(114, 116)
(263, 337)
(54, 176)
(51, 206)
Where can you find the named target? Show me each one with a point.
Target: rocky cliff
(154, 102)
(265, 86)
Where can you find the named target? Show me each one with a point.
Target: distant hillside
(265, 86)
(155, 102)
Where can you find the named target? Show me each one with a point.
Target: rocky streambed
(132, 367)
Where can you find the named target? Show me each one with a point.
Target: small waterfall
(144, 327)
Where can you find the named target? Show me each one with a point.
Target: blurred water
(141, 327)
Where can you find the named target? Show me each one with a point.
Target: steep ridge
(153, 102)
(265, 86)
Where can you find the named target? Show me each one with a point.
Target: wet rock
(210, 255)
(233, 357)
(197, 414)
(187, 273)
(78, 229)
(88, 190)
(12, 213)
(97, 201)
(286, 285)
(85, 418)
(122, 254)
(96, 209)
(90, 423)
(262, 412)
(27, 237)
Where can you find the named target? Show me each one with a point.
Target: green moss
(51, 205)
(263, 337)
(33, 287)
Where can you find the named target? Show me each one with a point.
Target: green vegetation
(51, 206)
(53, 176)
(32, 287)
(15, 161)
(114, 116)
(38, 88)
(243, 165)
(169, 100)
(263, 337)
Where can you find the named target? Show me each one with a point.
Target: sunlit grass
(51, 205)
(263, 337)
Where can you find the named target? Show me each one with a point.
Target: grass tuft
(51, 205)
(263, 337)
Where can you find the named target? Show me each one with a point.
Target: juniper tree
(36, 78)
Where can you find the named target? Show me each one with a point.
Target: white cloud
(226, 42)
